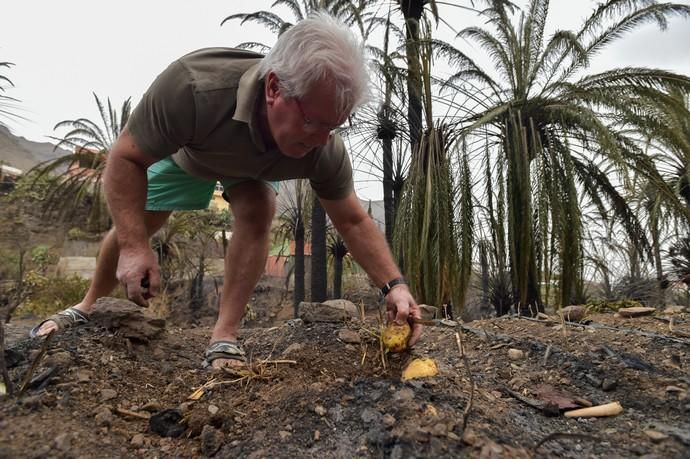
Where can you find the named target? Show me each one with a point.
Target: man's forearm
(370, 249)
(125, 190)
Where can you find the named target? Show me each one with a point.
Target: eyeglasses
(312, 127)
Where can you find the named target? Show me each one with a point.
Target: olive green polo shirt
(202, 110)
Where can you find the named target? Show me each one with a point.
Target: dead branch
(34, 364)
(557, 435)
(466, 413)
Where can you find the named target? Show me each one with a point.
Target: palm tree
(293, 219)
(81, 172)
(337, 250)
(556, 130)
(7, 103)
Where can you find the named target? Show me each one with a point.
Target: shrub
(50, 295)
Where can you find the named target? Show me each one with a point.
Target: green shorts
(171, 188)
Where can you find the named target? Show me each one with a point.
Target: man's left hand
(401, 307)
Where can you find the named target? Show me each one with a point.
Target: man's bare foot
(51, 325)
(225, 352)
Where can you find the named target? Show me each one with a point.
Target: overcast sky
(66, 49)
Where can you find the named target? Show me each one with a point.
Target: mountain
(24, 154)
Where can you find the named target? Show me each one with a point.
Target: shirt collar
(248, 91)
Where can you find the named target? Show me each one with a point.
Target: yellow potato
(395, 336)
(420, 368)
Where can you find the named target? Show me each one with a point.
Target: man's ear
(271, 88)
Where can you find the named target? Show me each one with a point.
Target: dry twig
(34, 364)
(466, 413)
(556, 435)
(131, 414)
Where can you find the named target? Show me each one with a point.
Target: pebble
(213, 409)
(317, 435)
(211, 440)
(609, 384)
(515, 354)
(370, 415)
(108, 394)
(84, 376)
(388, 420)
(349, 336)
(656, 436)
(404, 395)
(104, 418)
(138, 440)
(63, 442)
(320, 410)
(284, 434)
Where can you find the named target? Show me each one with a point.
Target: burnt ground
(310, 394)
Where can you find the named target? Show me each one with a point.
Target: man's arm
(369, 248)
(125, 184)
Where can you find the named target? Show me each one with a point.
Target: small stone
(138, 440)
(469, 437)
(349, 336)
(439, 430)
(213, 409)
(84, 376)
(317, 435)
(104, 418)
(63, 442)
(655, 436)
(185, 407)
(284, 435)
(515, 354)
(370, 415)
(108, 394)
(453, 436)
(211, 440)
(151, 406)
(388, 420)
(609, 384)
(320, 410)
(404, 395)
(294, 348)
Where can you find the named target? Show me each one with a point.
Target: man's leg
(253, 206)
(104, 280)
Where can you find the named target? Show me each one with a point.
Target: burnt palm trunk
(298, 293)
(319, 280)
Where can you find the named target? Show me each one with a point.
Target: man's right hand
(135, 268)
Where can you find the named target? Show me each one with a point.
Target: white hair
(316, 49)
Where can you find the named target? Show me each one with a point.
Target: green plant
(47, 295)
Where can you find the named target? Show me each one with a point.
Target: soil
(310, 394)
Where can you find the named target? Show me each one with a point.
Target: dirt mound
(321, 390)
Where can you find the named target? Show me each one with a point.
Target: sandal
(223, 350)
(69, 318)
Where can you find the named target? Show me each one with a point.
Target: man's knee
(253, 204)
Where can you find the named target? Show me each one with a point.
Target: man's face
(300, 125)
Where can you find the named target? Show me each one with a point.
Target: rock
(127, 319)
(370, 415)
(428, 312)
(213, 409)
(388, 420)
(574, 313)
(346, 305)
(62, 359)
(636, 311)
(655, 436)
(166, 423)
(151, 406)
(32, 402)
(211, 440)
(63, 442)
(284, 434)
(609, 384)
(675, 309)
(84, 376)
(515, 354)
(404, 395)
(469, 437)
(294, 348)
(322, 312)
(349, 336)
(317, 435)
(320, 410)
(108, 394)
(138, 440)
(104, 418)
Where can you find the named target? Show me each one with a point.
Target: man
(247, 121)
